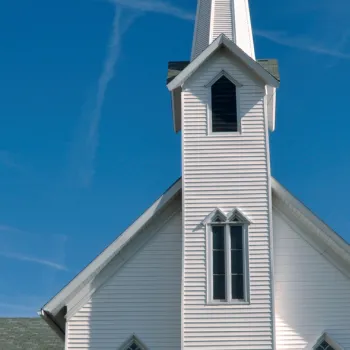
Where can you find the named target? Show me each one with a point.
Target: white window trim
(209, 107)
(326, 337)
(209, 240)
(130, 341)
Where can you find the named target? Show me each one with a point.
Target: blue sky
(86, 138)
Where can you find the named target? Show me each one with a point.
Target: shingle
(174, 68)
(28, 334)
(271, 65)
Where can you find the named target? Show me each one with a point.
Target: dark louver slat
(224, 106)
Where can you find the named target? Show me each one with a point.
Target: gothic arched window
(224, 116)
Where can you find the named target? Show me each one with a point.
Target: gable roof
(55, 307)
(223, 41)
(28, 333)
(176, 67)
(332, 244)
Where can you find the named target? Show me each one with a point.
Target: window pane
(219, 262)
(224, 106)
(237, 287)
(218, 237)
(237, 261)
(219, 289)
(236, 237)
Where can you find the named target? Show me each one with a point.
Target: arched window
(224, 106)
(326, 343)
(227, 256)
(133, 344)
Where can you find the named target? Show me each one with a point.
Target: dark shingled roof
(174, 68)
(28, 334)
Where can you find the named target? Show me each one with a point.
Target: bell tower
(223, 102)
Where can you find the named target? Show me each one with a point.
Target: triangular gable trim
(222, 40)
(317, 233)
(214, 214)
(86, 275)
(325, 337)
(133, 340)
(237, 215)
(334, 242)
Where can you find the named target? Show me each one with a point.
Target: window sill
(225, 303)
(231, 133)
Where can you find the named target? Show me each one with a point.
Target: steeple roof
(228, 17)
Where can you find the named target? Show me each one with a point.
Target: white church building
(226, 259)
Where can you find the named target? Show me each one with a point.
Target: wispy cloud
(17, 244)
(87, 140)
(86, 144)
(157, 7)
(32, 259)
(303, 43)
(6, 228)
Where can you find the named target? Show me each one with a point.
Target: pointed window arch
(133, 343)
(228, 271)
(223, 104)
(325, 342)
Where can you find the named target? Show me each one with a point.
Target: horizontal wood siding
(202, 28)
(222, 20)
(143, 298)
(225, 171)
(312, 295)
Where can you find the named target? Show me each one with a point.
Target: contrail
(33, 259)
(87, 142)
(85, 147)
(301, 43)
(156, 6)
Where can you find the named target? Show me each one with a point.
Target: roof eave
(321, 232)
(50, 320)
(61, 299)
(222, 41)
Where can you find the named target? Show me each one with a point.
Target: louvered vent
(224, 106)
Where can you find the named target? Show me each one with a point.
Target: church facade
(227, 258)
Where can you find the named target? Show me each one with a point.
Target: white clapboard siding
(143, 298)
(225, 171)
(312, 295)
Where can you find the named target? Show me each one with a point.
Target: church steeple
(229, 17)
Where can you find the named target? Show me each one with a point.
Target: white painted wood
(222, 19)
(228, 17)
(86, 277)
(143, 298)
(225, 171)
(222, 42)
(311, 294)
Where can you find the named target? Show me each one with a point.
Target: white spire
(229, 17)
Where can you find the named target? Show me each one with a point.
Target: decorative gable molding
(225, 74)
(237, 215)
(219, 216)
(133, 343)
(326, 342)
(214, 216)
